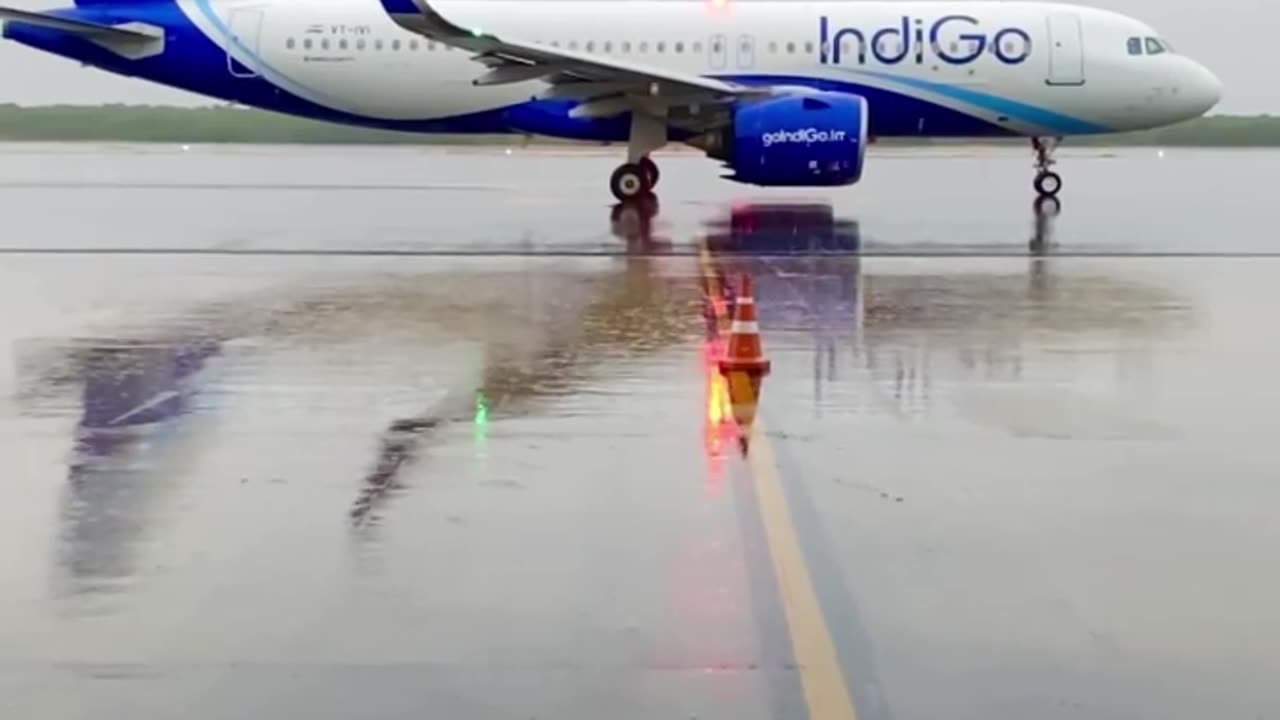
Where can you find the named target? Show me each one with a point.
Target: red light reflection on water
(719, 429)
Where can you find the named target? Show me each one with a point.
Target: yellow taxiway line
(826, 693)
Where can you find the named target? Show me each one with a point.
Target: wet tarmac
(393, 433)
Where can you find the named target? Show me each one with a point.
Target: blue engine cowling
(813, 139)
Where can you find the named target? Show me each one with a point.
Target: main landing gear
(1047, 183)
(634, 180)
(637, 177)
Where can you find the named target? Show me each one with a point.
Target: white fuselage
(1057, 64)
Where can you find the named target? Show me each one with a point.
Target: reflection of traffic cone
(744, 398)
(744, 365)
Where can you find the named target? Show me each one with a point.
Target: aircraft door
(244, 27)
(1066, 50)
(717, 52)
(746, 52)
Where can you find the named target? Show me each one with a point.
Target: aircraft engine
(813, 139)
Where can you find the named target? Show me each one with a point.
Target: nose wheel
(1047, 183)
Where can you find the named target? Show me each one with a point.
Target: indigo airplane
(782, 93)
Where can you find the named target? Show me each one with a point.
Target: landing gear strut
(637, 177)
(1047, 183)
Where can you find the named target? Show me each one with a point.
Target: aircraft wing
(133, 40)
(126, 33)
(607, 86)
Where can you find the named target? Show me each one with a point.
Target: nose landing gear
(1047, 183)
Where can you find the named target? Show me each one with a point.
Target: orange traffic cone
(745, 352)
(744, 365)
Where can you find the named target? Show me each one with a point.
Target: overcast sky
(1232, 37)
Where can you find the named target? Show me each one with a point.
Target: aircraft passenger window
(306, 44)
(1154, 47)
(360, 44)
(573, 44)
(590, 46)
(773, 46)
(644, 46)
(697, 47)
(791, 48)
(342, 44)
(608, 47)
(413, 44)
(377, 44)
(395, 44)
(324, 44)
(555, 43)
(808, 47)
(679, 47)
(626, 47)
(289, 43)
(660, 47)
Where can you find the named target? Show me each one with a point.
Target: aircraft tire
(1048, 184)
(629, 182)
(650, 171)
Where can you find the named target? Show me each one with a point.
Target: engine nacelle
(806, 140)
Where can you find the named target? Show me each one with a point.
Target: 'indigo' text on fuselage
(1009, 45)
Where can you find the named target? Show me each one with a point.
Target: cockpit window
(1135, 46)
(1154, 47)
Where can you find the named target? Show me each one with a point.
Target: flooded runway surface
(393, 433)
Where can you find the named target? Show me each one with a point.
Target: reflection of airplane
(540, 333)
(632, 221)
(130, 390)
(788, 229)
(809, 278)
(544, 335)
(782, 93)
(897, 321)
(134, 396)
